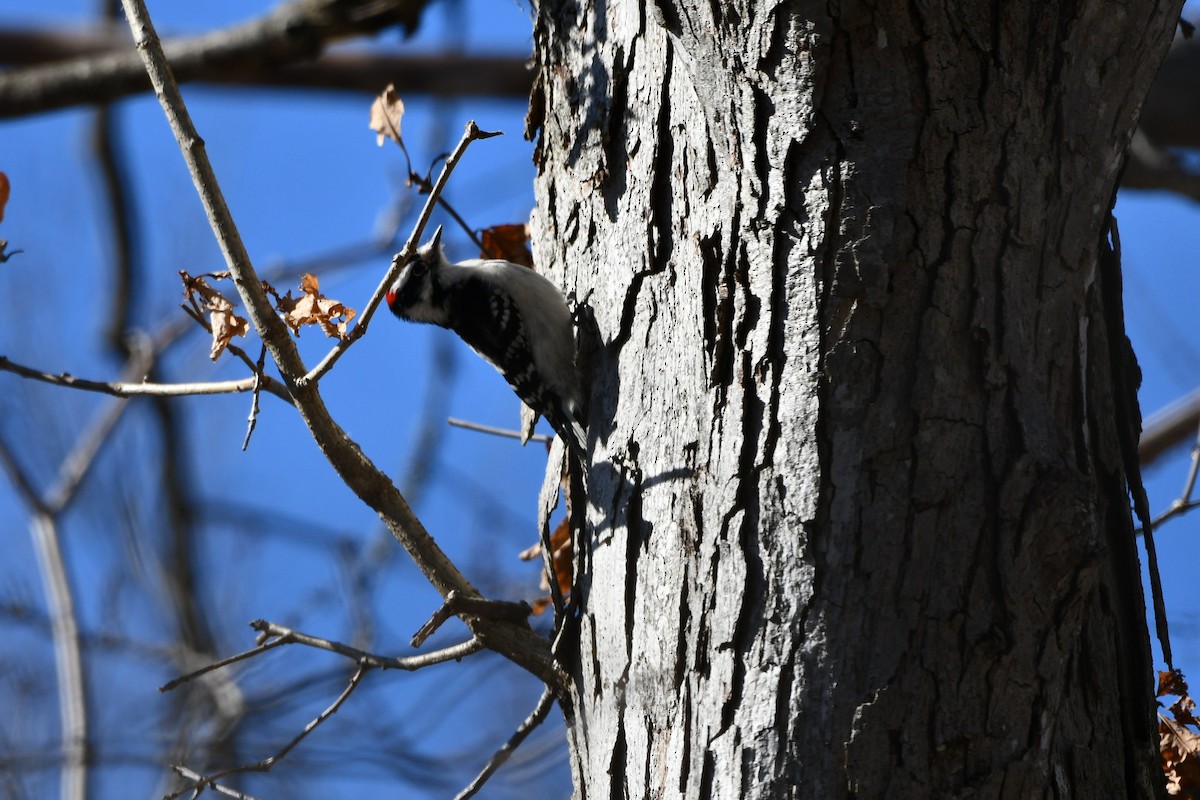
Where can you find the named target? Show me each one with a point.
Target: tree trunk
(858, 522)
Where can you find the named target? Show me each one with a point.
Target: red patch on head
(391, 298)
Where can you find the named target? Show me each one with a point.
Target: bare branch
(258, 381)
(1184, 503)
(274, 635)
(1153, 167)
(68, 655)
(267, 763)
(125, 389)
(535, 718)
(200, 783)
(488, 429)
(1168, 427)
(409, 663)
(296, 31)
(100, 68)
(518, 644)
(257, 650)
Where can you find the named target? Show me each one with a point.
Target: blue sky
(303, 175)
(1161, 290)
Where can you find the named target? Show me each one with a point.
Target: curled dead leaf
(386, 113)
(507, 242)
(1179, 738)
(313, 308)
(563, 560)
(221, 320)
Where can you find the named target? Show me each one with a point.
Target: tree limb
(98, 72)
(293, 32)
(520, 645)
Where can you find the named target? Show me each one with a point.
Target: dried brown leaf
(221, 320)
(1182, 710)
(563, 561)
(313, 308)
(1179, 744)
(1180, 758)
(386, 112)
(507, 242)
(225, 325)
(1171, 682)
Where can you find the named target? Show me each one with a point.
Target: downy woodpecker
(510, 315)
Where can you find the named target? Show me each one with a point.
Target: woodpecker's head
(416, 294)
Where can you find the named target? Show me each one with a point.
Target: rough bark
(858, 513)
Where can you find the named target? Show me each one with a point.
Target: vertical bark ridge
(864, 530)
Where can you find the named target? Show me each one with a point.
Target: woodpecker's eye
(419, 268)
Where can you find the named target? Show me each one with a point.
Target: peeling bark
(858, 520)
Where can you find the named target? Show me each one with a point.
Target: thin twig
(488, 429)
(257, 650)
(1177, 508)
(267, 763)
(462, 223)
(200, 783)
(535, 718)
(471, 134)
(425, 186)
(258, 381)
(422, 182)
(355, 680)
(191, 145)
(274, 635)
(407, 663)
(1184, 503)
(1190, 483)
(121, 389)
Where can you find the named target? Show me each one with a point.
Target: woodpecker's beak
(437, 238)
